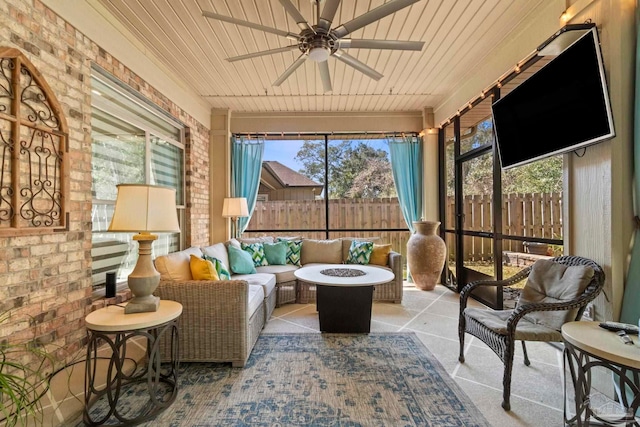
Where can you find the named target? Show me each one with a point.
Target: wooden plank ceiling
(457, 35)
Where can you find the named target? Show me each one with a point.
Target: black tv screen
(562, 107)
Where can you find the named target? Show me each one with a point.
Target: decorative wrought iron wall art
(33, 149)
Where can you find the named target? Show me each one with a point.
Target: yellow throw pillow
(380, 254)
(202, 269)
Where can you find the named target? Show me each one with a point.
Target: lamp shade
(142, 208)
(235, 207)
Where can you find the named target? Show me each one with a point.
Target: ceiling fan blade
(298, 62)
(323, 67)
(358, 65)
(262, 53)
(295, 14)
(373, 15)
(249, 24)
(328, 13)
(379, 44)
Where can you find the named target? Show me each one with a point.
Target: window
(358, 200)
(33, 147)
(132, 142)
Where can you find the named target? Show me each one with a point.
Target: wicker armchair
(500, 329)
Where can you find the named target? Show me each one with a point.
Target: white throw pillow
(219, 251)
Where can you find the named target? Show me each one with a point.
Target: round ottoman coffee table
(344, 294)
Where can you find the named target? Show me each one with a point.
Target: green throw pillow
(223, 274)
(240, 261)
(256, 250)
(360, 252)
(294, 248)
(276, 253)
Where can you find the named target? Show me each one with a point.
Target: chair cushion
(496, 320)
(255, 298)
(380, 254)
(321, 251)
(175, 266)
(551, 282)
(276, 253)
(283, 273)
(218, 251)
(240, 261)
(202, 269)
(266, 281)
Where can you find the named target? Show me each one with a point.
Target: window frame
(129, 95)
(327, 136)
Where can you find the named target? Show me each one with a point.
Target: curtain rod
(289, 134)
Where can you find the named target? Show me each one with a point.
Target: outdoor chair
(557, 291)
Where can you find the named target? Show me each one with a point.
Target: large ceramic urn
(426, 252)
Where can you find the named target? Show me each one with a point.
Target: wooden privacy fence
(345, 214)
(533, 214)
(528, 215)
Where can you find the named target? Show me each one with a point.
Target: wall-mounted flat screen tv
(562, 107)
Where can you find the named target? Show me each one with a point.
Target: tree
(356, 169)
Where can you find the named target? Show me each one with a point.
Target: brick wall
(45, 280)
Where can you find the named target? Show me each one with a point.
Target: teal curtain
(406, 166)
(246, 165)
(631, 299)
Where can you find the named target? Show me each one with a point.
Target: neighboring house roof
(286, 176)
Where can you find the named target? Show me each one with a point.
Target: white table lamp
(144, 209)
(235, 208)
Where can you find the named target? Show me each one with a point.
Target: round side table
(587, 346)
(115, 329)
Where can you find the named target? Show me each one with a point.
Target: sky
(284, 151)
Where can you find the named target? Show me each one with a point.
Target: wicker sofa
(221, 320)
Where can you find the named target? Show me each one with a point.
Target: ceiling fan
(319, 42)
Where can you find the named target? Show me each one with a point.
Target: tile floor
(537, 390)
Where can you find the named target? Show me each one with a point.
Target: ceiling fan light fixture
(319, 54)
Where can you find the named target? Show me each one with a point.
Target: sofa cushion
(283, 273)
(175, 266)
(294, 250)
(276, 253)
(219, 251)
(346, 244)
(360, 252)
(321, 251)
(265, 239)
(255, 299)
(380, 255)
(256, 250)
(240, 261)
(266, 281)
(202, 269)
(223, 272)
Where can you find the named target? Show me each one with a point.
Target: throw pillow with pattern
(360, 252)
(294, 249)
(256, 250)
(223, 273)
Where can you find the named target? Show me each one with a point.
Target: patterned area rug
(379, 379)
